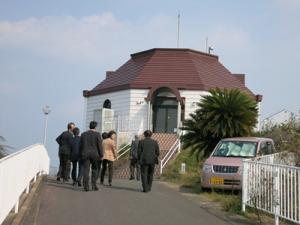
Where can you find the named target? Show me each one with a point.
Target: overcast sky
(52, 50)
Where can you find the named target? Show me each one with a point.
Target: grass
(230, 202)
(192, 180)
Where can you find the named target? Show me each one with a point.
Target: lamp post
(46, 111)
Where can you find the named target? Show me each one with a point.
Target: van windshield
(236, 149)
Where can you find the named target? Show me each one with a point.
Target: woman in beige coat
(110, 155)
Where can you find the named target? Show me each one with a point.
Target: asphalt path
(123, 203)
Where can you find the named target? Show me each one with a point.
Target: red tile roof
(180, 68)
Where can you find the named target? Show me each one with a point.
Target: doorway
(165, 113)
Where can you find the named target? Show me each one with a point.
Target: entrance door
(165, 115)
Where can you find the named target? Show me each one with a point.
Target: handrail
(17, 153)
(16, 173)
(175, 147)
(169, 150)
(121, 149)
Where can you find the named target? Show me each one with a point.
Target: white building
(157, 89)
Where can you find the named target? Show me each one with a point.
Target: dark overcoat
(91, 144)
(65, 142)
(148, 152)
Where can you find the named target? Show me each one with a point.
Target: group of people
(92, 151)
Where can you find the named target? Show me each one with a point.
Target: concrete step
(165, 142)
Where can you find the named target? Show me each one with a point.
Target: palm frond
(223, 113)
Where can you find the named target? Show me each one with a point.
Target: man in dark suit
(65, 146)
(148, 153)
(91, 152)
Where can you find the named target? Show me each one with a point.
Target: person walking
(104, 136)
(134, 165)
(148, 153)
(75, 158)
(91, 152)
(64, 141)
(110, 155)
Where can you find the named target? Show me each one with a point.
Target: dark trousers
(110, 164)
(134, 165)
(80, 171)
(64, 170)
(90, 159)
(76, 163)
(99, 168)
(147, 172)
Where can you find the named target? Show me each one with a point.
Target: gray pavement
(122, 204)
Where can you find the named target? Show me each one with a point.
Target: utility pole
(178, 29)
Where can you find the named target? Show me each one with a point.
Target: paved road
(121, 204)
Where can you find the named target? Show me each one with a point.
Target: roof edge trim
(137, 54)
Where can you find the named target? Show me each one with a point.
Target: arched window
(107, 104)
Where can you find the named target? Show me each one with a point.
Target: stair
(165, 142)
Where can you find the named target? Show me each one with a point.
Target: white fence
(16, 172)
(272, 187)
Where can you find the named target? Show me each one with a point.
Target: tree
(221, 114)
(286, 137)
(2, 147)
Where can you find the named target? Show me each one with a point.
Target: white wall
(139, 107)
(191, 100)
(119, 103)
(132, 104)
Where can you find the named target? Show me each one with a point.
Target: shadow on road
(123, 188)
(64, 185)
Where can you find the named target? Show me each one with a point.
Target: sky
(50, 51)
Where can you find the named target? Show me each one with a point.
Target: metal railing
(272, 187)
(122, 151)
(16, 173)
(174, 149)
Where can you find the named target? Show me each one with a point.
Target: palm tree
(222, 113)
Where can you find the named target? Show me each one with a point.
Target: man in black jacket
(91, 152)
(148, 153)
(65, 147)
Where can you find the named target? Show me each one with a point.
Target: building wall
(119, 102)
(191, 100)
(138, 110)
(130, 105)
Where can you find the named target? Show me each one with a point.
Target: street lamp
(46, 111)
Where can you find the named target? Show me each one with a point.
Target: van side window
(266, 148)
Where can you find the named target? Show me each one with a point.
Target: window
(236, 149)
(266, 148)
(107, 104)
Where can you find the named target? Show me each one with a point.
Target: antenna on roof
(208, 49)
(178, 26)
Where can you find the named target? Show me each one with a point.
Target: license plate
(217, 180)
